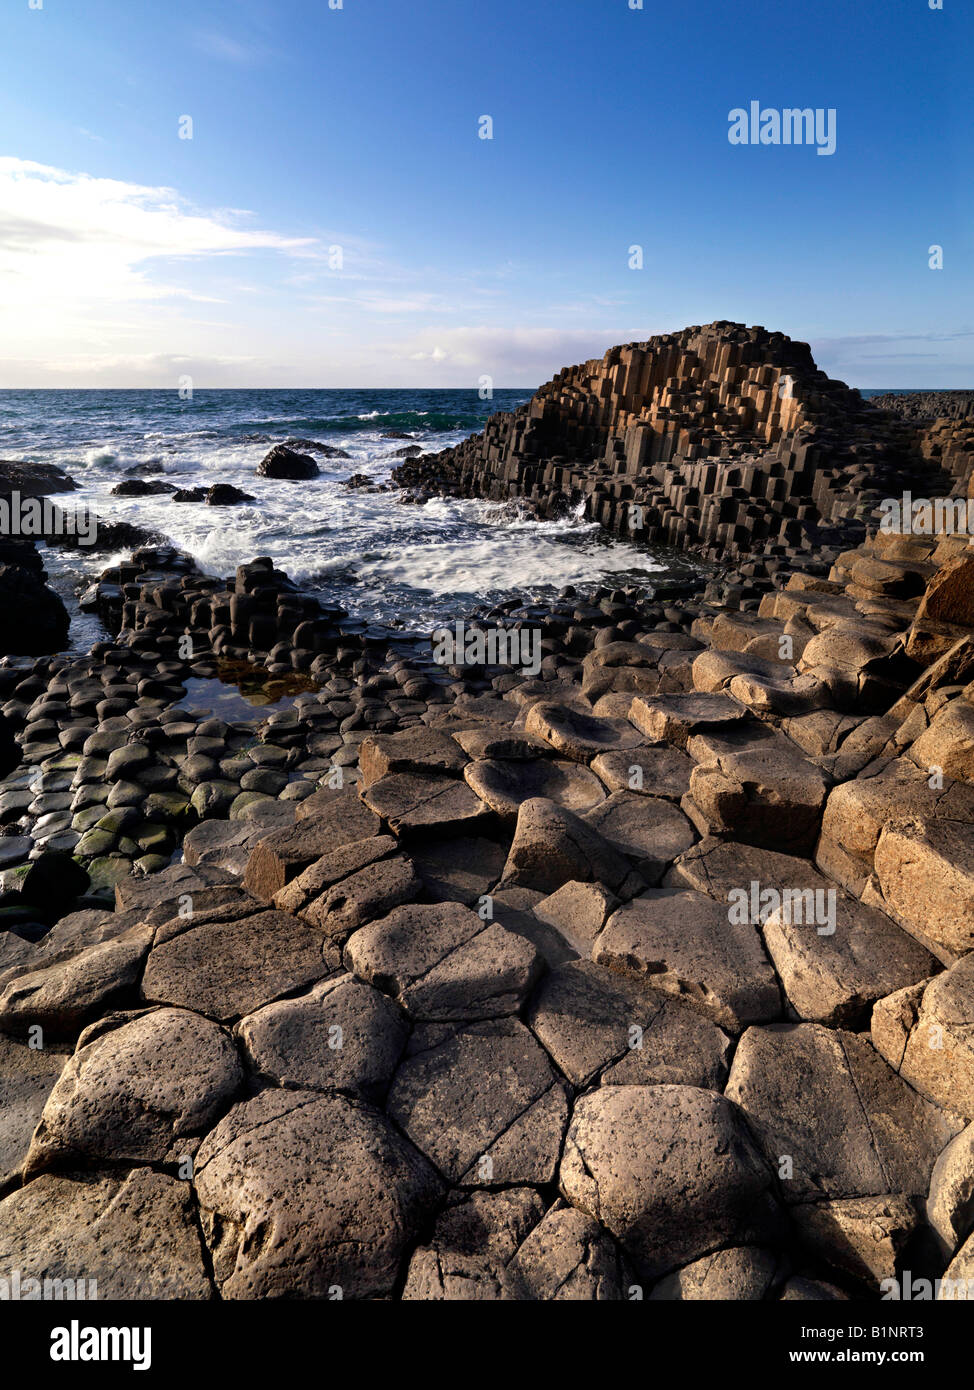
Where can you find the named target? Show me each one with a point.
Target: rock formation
(644, 976)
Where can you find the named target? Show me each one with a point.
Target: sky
(337, 220)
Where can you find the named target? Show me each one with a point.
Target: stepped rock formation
(724, 438)
(648, 975)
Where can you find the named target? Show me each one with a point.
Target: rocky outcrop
(647, 975)
(284, 461)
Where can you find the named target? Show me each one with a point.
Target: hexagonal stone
(134, 1235)
(409, 750)
(342, 1035)
(925, 871)
(660, 771)
(567, 1257)
(63, 994)
(753, 783)
(924, 1032)
(473, 1241)
(685, 945)
(461, 869)
(367, 894)
(646, 829)
(825, 1100)
(417, 805)
(227, 969)
(578, 912)
(500, 742)
(835, 972)
(578, 736)
(671, 1171)
(331, 868)
(284, 854)
(136, 1092)
(484, 1105)
(950, 1201)
(866, 1237)
(503, 786)
(27, 1076)
(302, 1194)
(552, 846)
(595, 1022)
(443, 962)
(675, 718)
(744, 1273)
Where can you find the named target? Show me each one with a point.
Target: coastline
(475, 874)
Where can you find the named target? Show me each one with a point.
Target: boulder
(671, 1171)
(686, 945)
(851, 1128)
(310, 1196)
(340, 1036)
(284, 462)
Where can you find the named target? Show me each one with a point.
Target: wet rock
(285, 462)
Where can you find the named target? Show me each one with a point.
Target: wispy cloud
(69, 240)
(228, 49)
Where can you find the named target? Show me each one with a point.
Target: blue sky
(129, 256)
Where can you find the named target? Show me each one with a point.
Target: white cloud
(72, 241)
(512, 356)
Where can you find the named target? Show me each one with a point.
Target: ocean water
(402, 566)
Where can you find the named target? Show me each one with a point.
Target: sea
(404, 567)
